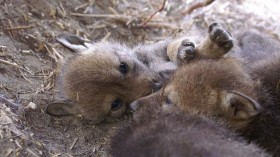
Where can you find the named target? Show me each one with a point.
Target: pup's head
(102, 80)
(212, 85)
(215, 88)
(218, 89)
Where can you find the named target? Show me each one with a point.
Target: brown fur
(159, 132)
(92, 81)
(206, 90)
(268, 71)
(215, 87)
(262, 60)
(264, 66)
(228, 90)
(210, 88)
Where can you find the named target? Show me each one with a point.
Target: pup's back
(159, 133)
(263, 59)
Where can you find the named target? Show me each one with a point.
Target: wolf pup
(105, 76)
(230, 91)
(164, 131)
(102, 79)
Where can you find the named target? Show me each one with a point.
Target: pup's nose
(156, 86)
(134, 105)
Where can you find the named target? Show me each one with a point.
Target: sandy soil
(29, 57)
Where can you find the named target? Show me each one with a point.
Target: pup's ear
(59, 109)
(73, 42)
(239, 105)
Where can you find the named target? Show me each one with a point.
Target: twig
(60, 57)
(15, 65)
(112, 10)
(106, 37)
(19, 27)
(16, 141)
(1, 134)
(9, 152)
(54, 53)
(96, 26)
(113, 16)
(81, 6)
(73, 144)
(63, 12)
(160, 25)
(28, 80)
(16, 131)
(31, 152)
(8, 102)
(49, 86)
(89, 6)
(9, 63)
(62, 154)
(159, 10)
(11, 25)
(196, 6)
(277, 87)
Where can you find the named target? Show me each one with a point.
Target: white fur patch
(78, 48)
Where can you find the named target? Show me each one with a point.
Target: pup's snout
(134, 105)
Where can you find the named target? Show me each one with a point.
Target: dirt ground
(29, 57)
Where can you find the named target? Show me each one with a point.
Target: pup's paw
(186, 51)
(220, 37)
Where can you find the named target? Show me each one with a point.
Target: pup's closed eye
(123, 68)
(116, 105)
(168, 101)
